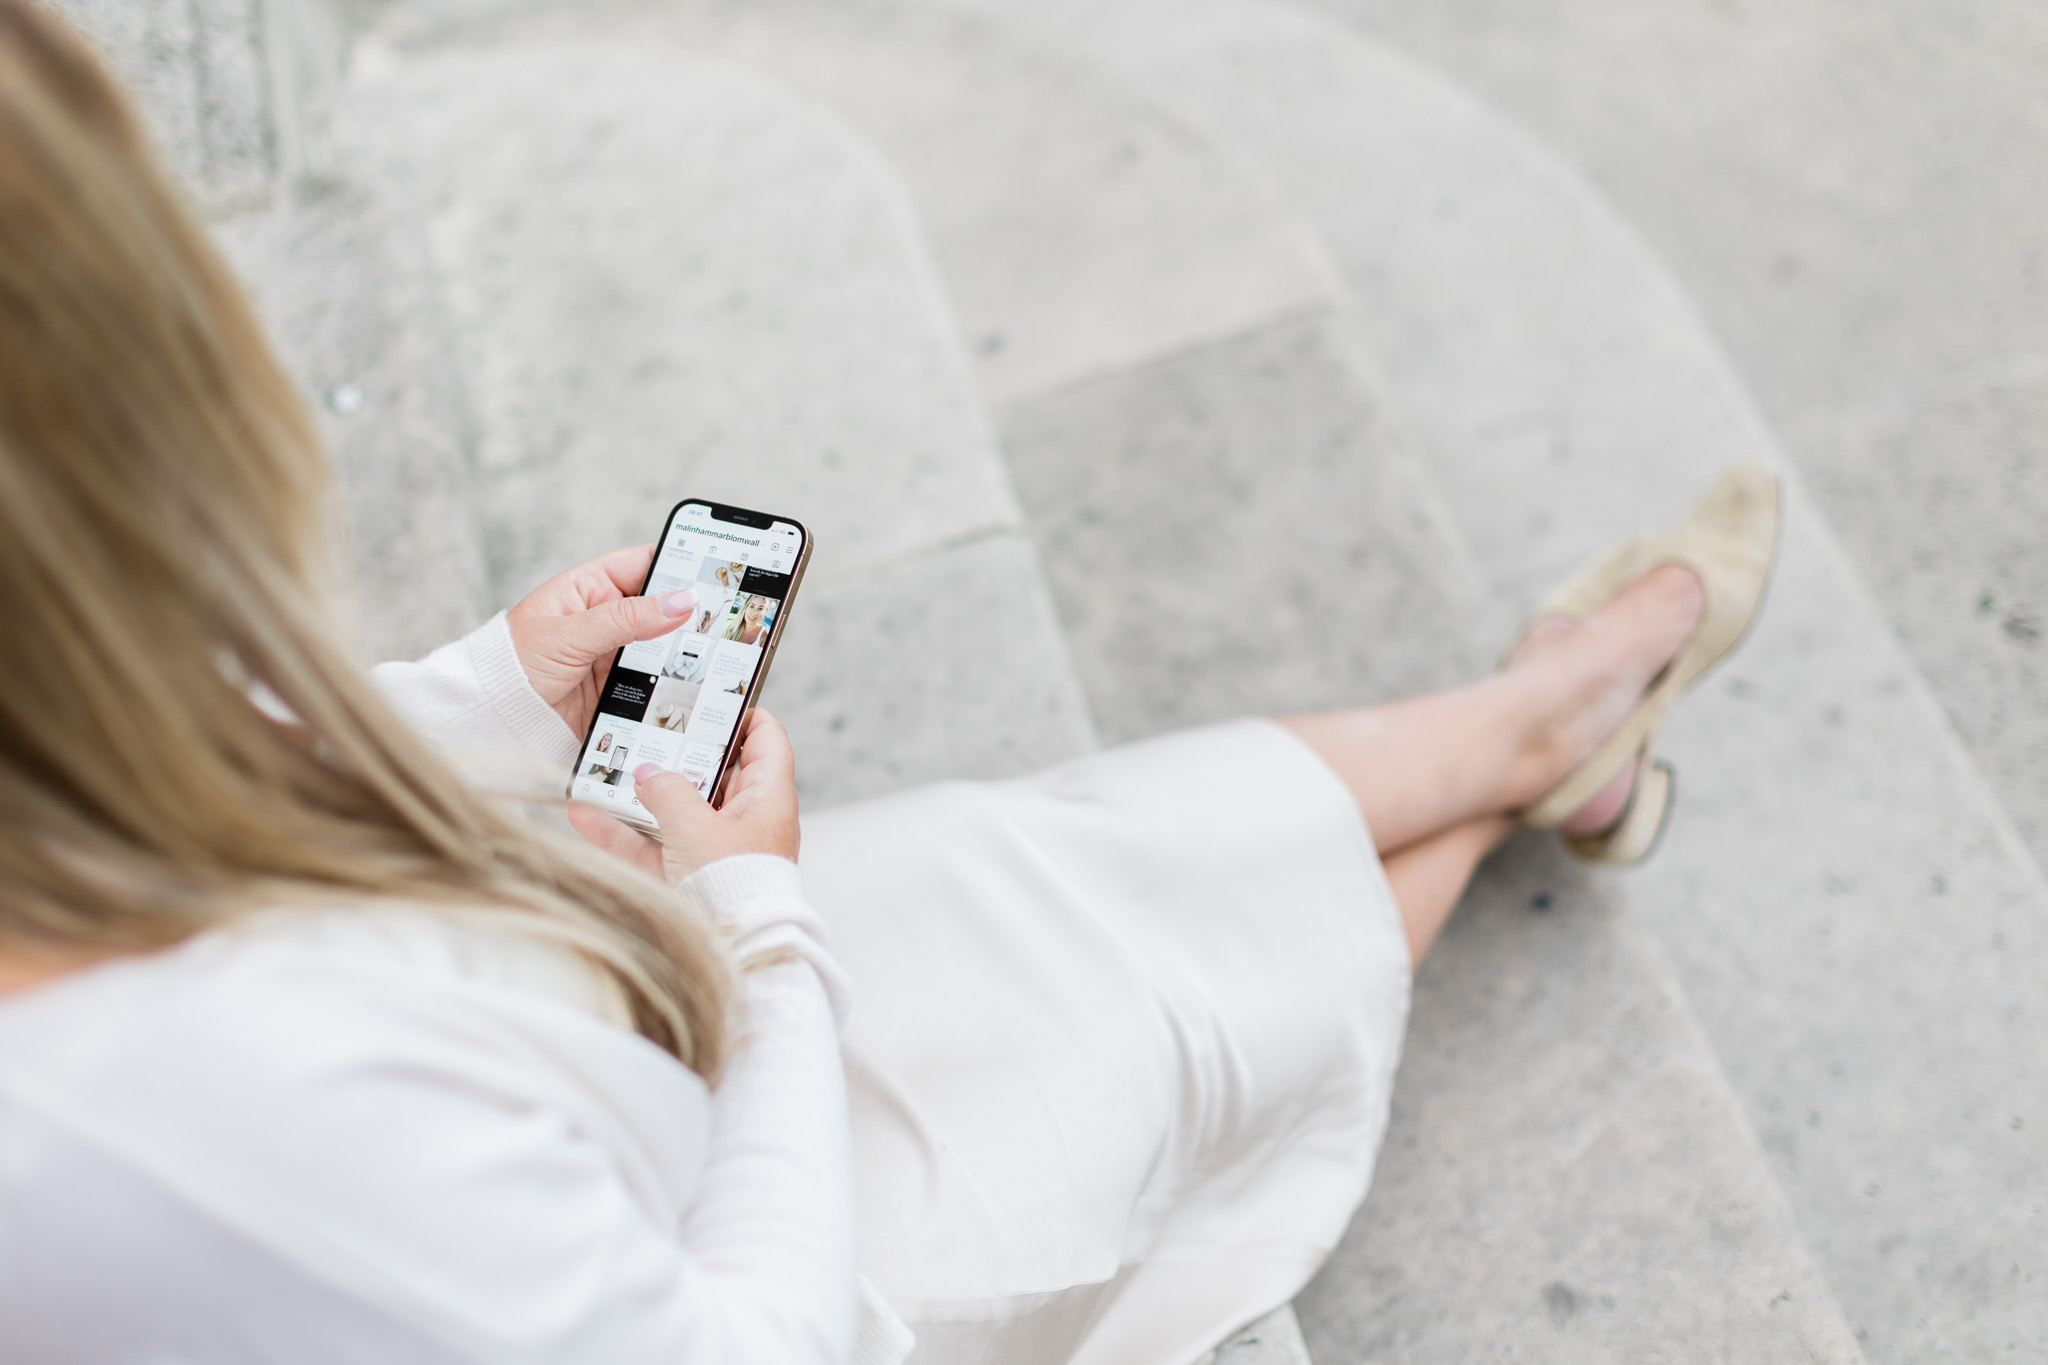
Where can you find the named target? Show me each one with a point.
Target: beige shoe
(1728, 541)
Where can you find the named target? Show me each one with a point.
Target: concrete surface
(1079, 230)
(1072, 243)
(1857, 198)
(947, 663)
(1559, 1181)
(200, 68)
(1938, 505)
(347, 284)
(717, 289)
(1561, 380)
(233, 89)
(1234, 530)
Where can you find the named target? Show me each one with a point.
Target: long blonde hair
(163, 498)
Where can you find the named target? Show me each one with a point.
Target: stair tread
(1079, 230)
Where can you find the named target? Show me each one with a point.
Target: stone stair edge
(1261, 262)
(374, 54)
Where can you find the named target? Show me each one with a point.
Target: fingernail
(677, 603)
(645, 771)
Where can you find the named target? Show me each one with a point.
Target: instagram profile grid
(677, 700)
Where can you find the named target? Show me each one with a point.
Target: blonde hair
(163, 499)
(739, 613)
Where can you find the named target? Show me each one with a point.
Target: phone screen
(678, 700)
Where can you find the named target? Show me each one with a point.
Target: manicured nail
(681, 602)
(645, 771)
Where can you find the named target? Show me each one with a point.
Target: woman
(308, 1048)
(710, 616)
(749, 626)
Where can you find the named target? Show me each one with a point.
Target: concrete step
(1859, 931)
(1093, 242)
(202, 68)
(717, 292)
(350, 291)
(1271, 545)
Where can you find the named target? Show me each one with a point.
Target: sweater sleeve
(473, 699)
(780, 1148)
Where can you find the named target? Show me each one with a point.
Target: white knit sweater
(386, 1135)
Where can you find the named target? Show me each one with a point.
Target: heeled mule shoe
(1728, 542)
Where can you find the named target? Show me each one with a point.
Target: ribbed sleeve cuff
(758, 898)
(532, 722)
(748, 890)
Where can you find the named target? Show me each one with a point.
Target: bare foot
(1598, 668)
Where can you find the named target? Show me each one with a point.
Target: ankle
(1549, 742)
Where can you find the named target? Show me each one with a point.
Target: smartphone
(682, 700)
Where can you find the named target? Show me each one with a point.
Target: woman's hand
(566, 629)
(759, 814)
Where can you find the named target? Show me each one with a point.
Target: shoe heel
(1631, 838)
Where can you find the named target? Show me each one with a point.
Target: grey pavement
(1078, 229)
(1941, 505)
(346, 277)
(1080, 232)
(233, 88)
(1209, 261)
(715, 286)
(949, 663)
(203, 70)
(1558, 1179)
(1235, 531)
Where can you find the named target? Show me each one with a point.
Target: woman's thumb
(602, 629)
(672, 799)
